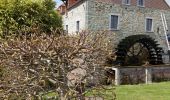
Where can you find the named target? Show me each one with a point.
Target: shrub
(17, 16)
(46, 63)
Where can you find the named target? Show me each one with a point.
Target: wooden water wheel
(136, 50)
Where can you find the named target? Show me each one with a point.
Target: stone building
(121, 18)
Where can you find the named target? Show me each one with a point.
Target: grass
(155, 91)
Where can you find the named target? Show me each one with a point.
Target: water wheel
(136, 50)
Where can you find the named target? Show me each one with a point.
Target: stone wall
(161, 74)
(141, 74)
(167, 15)
(132, 20)
(95, 15)
(132, 75)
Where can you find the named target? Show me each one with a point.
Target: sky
(59, 2)
(168, 1)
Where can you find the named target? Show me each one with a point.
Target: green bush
(20, 15)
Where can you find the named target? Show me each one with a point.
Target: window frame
(146, 24)
(118, 24)
(124, 3)
(139, 4)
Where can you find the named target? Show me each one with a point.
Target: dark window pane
(66, 28)
(149, 25)
(78, 26)
(126, 1)
(114, 22)
(141, 2)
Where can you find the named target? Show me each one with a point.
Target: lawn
(155, 91)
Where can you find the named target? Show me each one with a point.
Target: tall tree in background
(17, 15)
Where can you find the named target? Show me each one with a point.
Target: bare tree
(65, 65)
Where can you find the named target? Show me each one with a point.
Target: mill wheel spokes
(138, 50)
(137, 55)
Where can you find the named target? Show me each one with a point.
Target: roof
(61, 9)
(158, 4)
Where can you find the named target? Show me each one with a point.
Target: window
(141, 3)
(149, 25)
(114, 22)
(126, 2)
(77, 26)
(66, 28)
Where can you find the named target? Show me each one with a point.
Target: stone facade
(132, 20)
(94, 15)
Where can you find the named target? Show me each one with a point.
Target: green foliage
(16, 15)
(102, 93)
